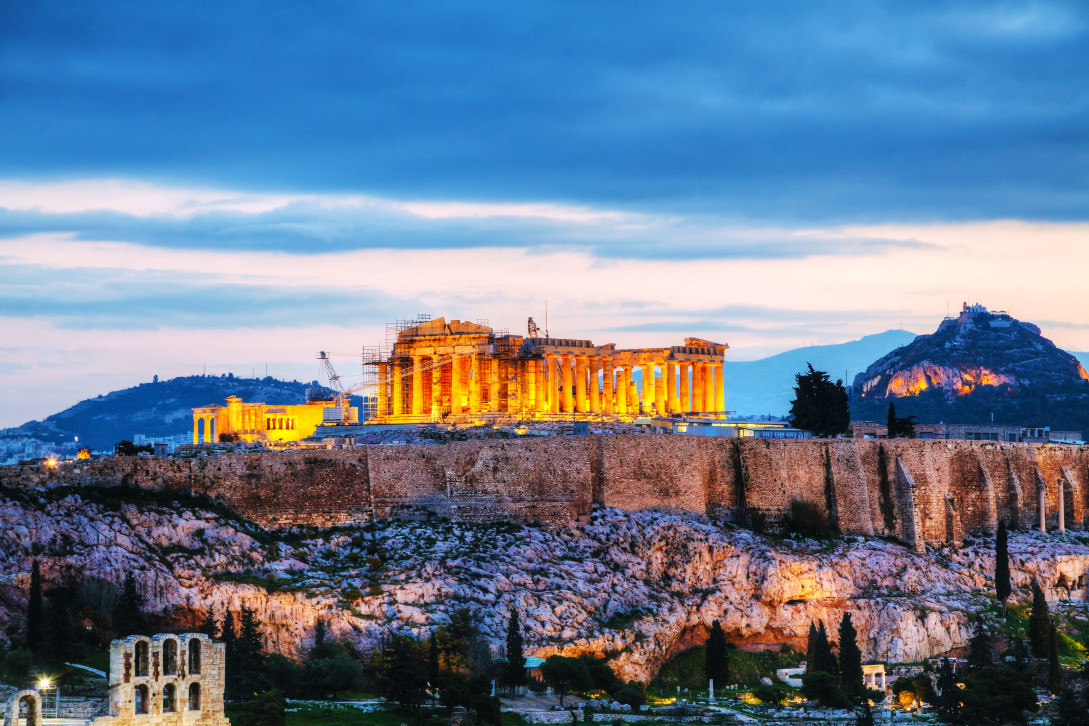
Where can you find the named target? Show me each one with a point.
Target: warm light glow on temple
(460, 372)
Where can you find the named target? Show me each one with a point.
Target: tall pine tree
(128, 614)
(1002, 565)
(515, 675)
(850, 659)
(826, 659)
(1054, 669)
(34, 625)
(811, 649)
(717, 665)
(1039, 624)
(208, 626)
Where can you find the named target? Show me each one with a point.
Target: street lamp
(45, 684)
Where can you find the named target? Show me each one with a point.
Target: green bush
(17, 663)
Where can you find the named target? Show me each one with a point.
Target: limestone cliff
(636, 587)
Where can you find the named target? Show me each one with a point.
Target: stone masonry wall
(920, 491)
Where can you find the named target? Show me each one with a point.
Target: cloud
(771, 112)
(178, 217)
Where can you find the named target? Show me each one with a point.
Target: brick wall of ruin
(919, 491)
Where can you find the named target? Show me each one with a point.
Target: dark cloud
(307, 228)
(857, 111)
(123, 300)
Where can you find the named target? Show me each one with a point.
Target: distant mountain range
(979, 367)
(161, 408)
(766, 386)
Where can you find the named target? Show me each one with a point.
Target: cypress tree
(717, 665)
(1039, 624)
(948, 702)
(850, 658)
(826, 659)
(1002, 565)
(208, 626)
(128, 615)
(893, 430)
(60, 639)
(1054, 669)
(516, 660)
(865, 716)
(433, 664)
(811, 650)
(980, 647)
(34, 624)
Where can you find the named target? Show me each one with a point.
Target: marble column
(660, 392)
(553, 383)
(686, 388)
(698, 396)
(398, 387)
(581, 368)
(493, 384)
(672, 399)
(595, 385)
(436, 386)
(607, 387)
(568, 383)
(648, 387)
(475, 392)
(417, 385)
(709, 387)
(1041, 497)
(455, 384)
(539, 386)
(622, 391)
(720, 389)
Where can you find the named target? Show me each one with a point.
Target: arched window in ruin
(27, 707)
(140, 698)
(194, 656)
(170, 703)
(194, 696)
(170, 657)
(141, 658)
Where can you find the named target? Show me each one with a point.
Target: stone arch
(194, 696)
(33, 701)
(141, 655)
(170, 657)
(170, 698)
(1017, 498)
(194, 656)
(141, 698)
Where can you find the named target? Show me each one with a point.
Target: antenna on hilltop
(546, 320)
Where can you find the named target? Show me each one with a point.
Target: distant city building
(971, 432)
(740, 429)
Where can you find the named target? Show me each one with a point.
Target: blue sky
(238, 183)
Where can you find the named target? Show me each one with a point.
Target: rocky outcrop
(972, 367)
(633, 587)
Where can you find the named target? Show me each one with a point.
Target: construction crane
(341, 395)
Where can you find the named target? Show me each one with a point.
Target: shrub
(17, 663)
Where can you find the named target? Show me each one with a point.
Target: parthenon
(439, 370)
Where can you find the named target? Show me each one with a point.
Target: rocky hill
(634, 587)
(159, 408)
(979, 367)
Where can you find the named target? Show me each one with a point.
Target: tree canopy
(820, 406)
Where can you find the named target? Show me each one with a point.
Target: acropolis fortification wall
(917, 491)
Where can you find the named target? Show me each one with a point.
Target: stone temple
(460, 371)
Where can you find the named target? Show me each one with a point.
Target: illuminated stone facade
(166, 680)
(455, 371)
(264, 422)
